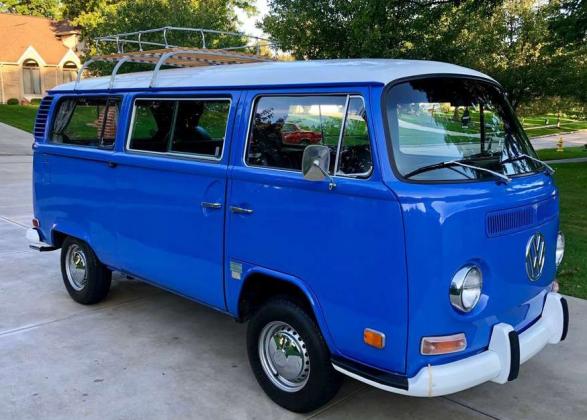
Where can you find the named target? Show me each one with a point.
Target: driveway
(147, 354)
(578, 138)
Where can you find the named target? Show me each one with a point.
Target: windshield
(444, 119)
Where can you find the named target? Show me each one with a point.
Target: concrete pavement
(578, 138)
(147, 354)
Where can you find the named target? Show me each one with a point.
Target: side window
(355, 152)
(283, 126)
(200, 127)
(86, 122)
(195, 127)
(152, 125)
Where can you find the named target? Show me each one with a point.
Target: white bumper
(499, 363)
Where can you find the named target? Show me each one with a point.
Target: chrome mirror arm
(331, 183)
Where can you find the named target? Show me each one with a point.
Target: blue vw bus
(386, 220)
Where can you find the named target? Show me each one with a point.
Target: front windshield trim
(389, 139)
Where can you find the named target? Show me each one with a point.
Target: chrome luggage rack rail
(167, 54)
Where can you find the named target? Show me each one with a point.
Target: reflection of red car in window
(293, 134)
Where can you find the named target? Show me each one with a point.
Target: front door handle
(112, 164)
(240, 210)
(208, 205)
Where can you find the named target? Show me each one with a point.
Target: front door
(172, 182)
(346, 243)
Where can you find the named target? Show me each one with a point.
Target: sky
(248, 23)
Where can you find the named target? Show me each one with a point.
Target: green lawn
(22, 117)
(535, 125)
(571, 179)
(567, 153)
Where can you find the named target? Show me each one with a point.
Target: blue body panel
(346, 245)
(445, 229)
(373, 253)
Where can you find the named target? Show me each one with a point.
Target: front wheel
(289, 357)
(86, 279)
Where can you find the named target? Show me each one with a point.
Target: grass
(567, 153)
(541, 125)
(22, 117)
(571, 179)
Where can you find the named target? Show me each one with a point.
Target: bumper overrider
(500, 363)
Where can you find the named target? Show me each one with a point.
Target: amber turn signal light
(443, 345)
(374, 338)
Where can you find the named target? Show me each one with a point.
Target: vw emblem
(535, 254)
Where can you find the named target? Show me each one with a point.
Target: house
(36, 54)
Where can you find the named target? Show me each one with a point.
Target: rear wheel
(86, 279)
(289, 357)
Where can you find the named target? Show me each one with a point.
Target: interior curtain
(63, 115)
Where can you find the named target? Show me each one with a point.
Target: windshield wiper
(521, 156)
(451, 163)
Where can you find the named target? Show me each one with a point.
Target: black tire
(95, 285)
(323, 381)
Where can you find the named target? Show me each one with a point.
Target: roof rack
(173, 55)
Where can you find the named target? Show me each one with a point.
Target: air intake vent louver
(505, 221)
(41, 120)
(511, 220)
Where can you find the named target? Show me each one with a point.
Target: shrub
(13, 101)
(36, 101)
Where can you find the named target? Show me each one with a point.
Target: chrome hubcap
(76, 267)
(284, 356)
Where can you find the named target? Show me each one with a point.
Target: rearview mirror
(316, 163)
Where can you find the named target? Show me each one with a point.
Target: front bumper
(499, 363)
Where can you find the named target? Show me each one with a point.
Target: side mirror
(316, 163)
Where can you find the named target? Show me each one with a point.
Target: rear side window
(90, 122)
(283, 126)
(193, 127)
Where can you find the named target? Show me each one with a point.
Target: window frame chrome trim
(55, 108)
(293, 171)
(190, 156)
(362, 175)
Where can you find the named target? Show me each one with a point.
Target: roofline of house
(72, 31)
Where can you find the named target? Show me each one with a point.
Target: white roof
(281, 73)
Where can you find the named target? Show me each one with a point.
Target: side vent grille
(42, 116)
(506, 221)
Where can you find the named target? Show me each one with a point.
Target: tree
(97, 18)
(510, 40)
(104, 17)
(44, 8)
(568, 21)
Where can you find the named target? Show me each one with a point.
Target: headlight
(465, 288)
(560, 248)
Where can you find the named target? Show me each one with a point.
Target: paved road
(578, 138)
(147, 354)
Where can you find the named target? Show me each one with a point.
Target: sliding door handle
(240, 210)
(208, 205)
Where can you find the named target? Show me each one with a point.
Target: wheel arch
(260, 284)
(59, 232)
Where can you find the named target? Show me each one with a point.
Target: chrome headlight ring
(465, 288)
